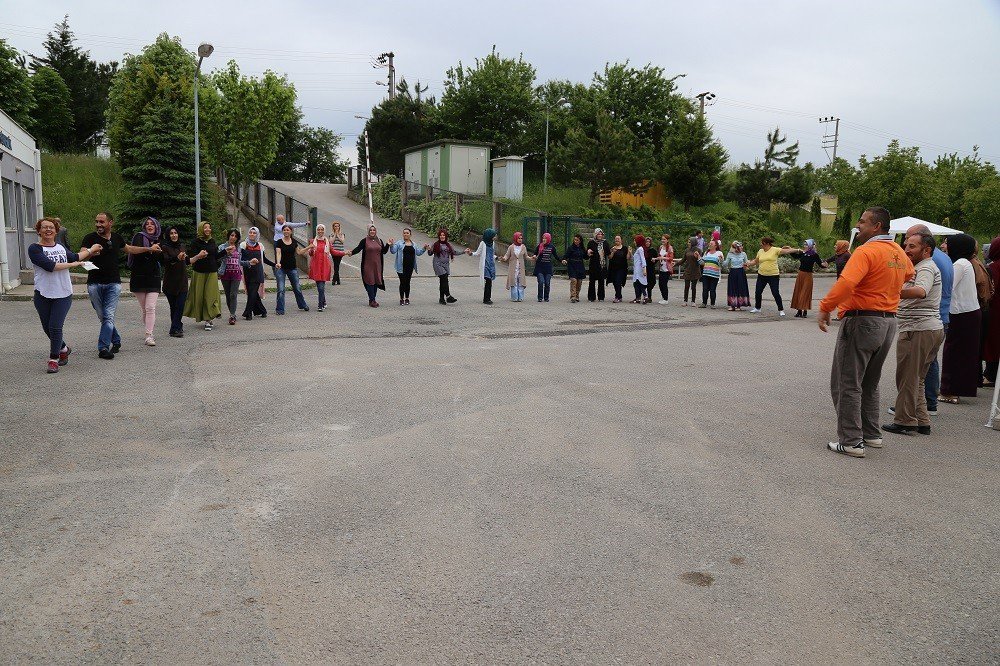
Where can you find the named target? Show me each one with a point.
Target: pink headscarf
(546, 239)
(518, 238)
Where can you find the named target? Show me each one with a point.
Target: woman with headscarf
(145, 279)
(991, 345)
(639, 264)
(514, 258)
(618, 267)
(175, 278)
(442, 253)
(803, 292)
(840, 256)
(487, 263)
(337, 242)
(406, 262)
(711, 273)
(598, 250)
(321, 252)
(203, 294)
(252, 254)
(576, 268)
(545, 256)
(231, 271)
(665, 264)
(692, 270)
(960, 366)
(737, 288)
(373, 252)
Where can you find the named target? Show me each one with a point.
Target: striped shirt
(712, 265)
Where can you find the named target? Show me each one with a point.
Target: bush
(438, 213)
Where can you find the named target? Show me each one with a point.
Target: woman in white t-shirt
(53, 288)
(960, 366)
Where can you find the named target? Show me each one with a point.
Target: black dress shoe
(115, 348)
(105, 353)
(923, 430)
(900, 429)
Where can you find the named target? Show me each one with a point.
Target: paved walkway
(545, 483)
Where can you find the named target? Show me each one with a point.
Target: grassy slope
(77, 187)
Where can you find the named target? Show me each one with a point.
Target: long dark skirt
(737, 289)
(960, 368)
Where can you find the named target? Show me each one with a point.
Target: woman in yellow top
(767, 272)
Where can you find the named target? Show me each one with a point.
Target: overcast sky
(924, 72)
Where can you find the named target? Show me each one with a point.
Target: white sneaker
(662, 302)
(875, 442)
(781, 313)
(755, 310)
(853, 451)
(150, 342)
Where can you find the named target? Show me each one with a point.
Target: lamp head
(205, 49)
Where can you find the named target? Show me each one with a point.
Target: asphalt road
(558, 483)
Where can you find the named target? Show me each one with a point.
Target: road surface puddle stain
(698, 578)
(737, 560)
(211, 613)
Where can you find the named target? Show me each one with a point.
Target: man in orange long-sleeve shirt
(868, 296)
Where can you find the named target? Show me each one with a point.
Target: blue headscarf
(489, 235)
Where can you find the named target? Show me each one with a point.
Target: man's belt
(869, 313)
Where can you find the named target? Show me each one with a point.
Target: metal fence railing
(268, 202)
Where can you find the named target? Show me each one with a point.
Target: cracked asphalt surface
(558, 483)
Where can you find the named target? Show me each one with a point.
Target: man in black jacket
(598, 250)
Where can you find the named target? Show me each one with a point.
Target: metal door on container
(19, 219)
(10, 225)
(434, 167)
(476, 178)
(459, 169)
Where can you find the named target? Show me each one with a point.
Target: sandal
(950, 399)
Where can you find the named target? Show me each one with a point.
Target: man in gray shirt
(921, 333)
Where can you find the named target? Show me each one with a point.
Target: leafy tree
(840, 178)
(767, 181)
(16, 97)
(900, 181)
(644, 100)
(151, 131)
(88, 82)
(493, 101)
(692, 163)
(245, 118)
(795, 186)
(981, 209)
(955, 177)
(600, 151)
(308, 154)
(53, 126)
(396, 124)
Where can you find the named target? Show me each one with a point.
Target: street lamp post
(204, 50)
(545, 178)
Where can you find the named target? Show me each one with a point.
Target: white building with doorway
(21, 181)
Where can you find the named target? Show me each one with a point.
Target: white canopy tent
(900, 225)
